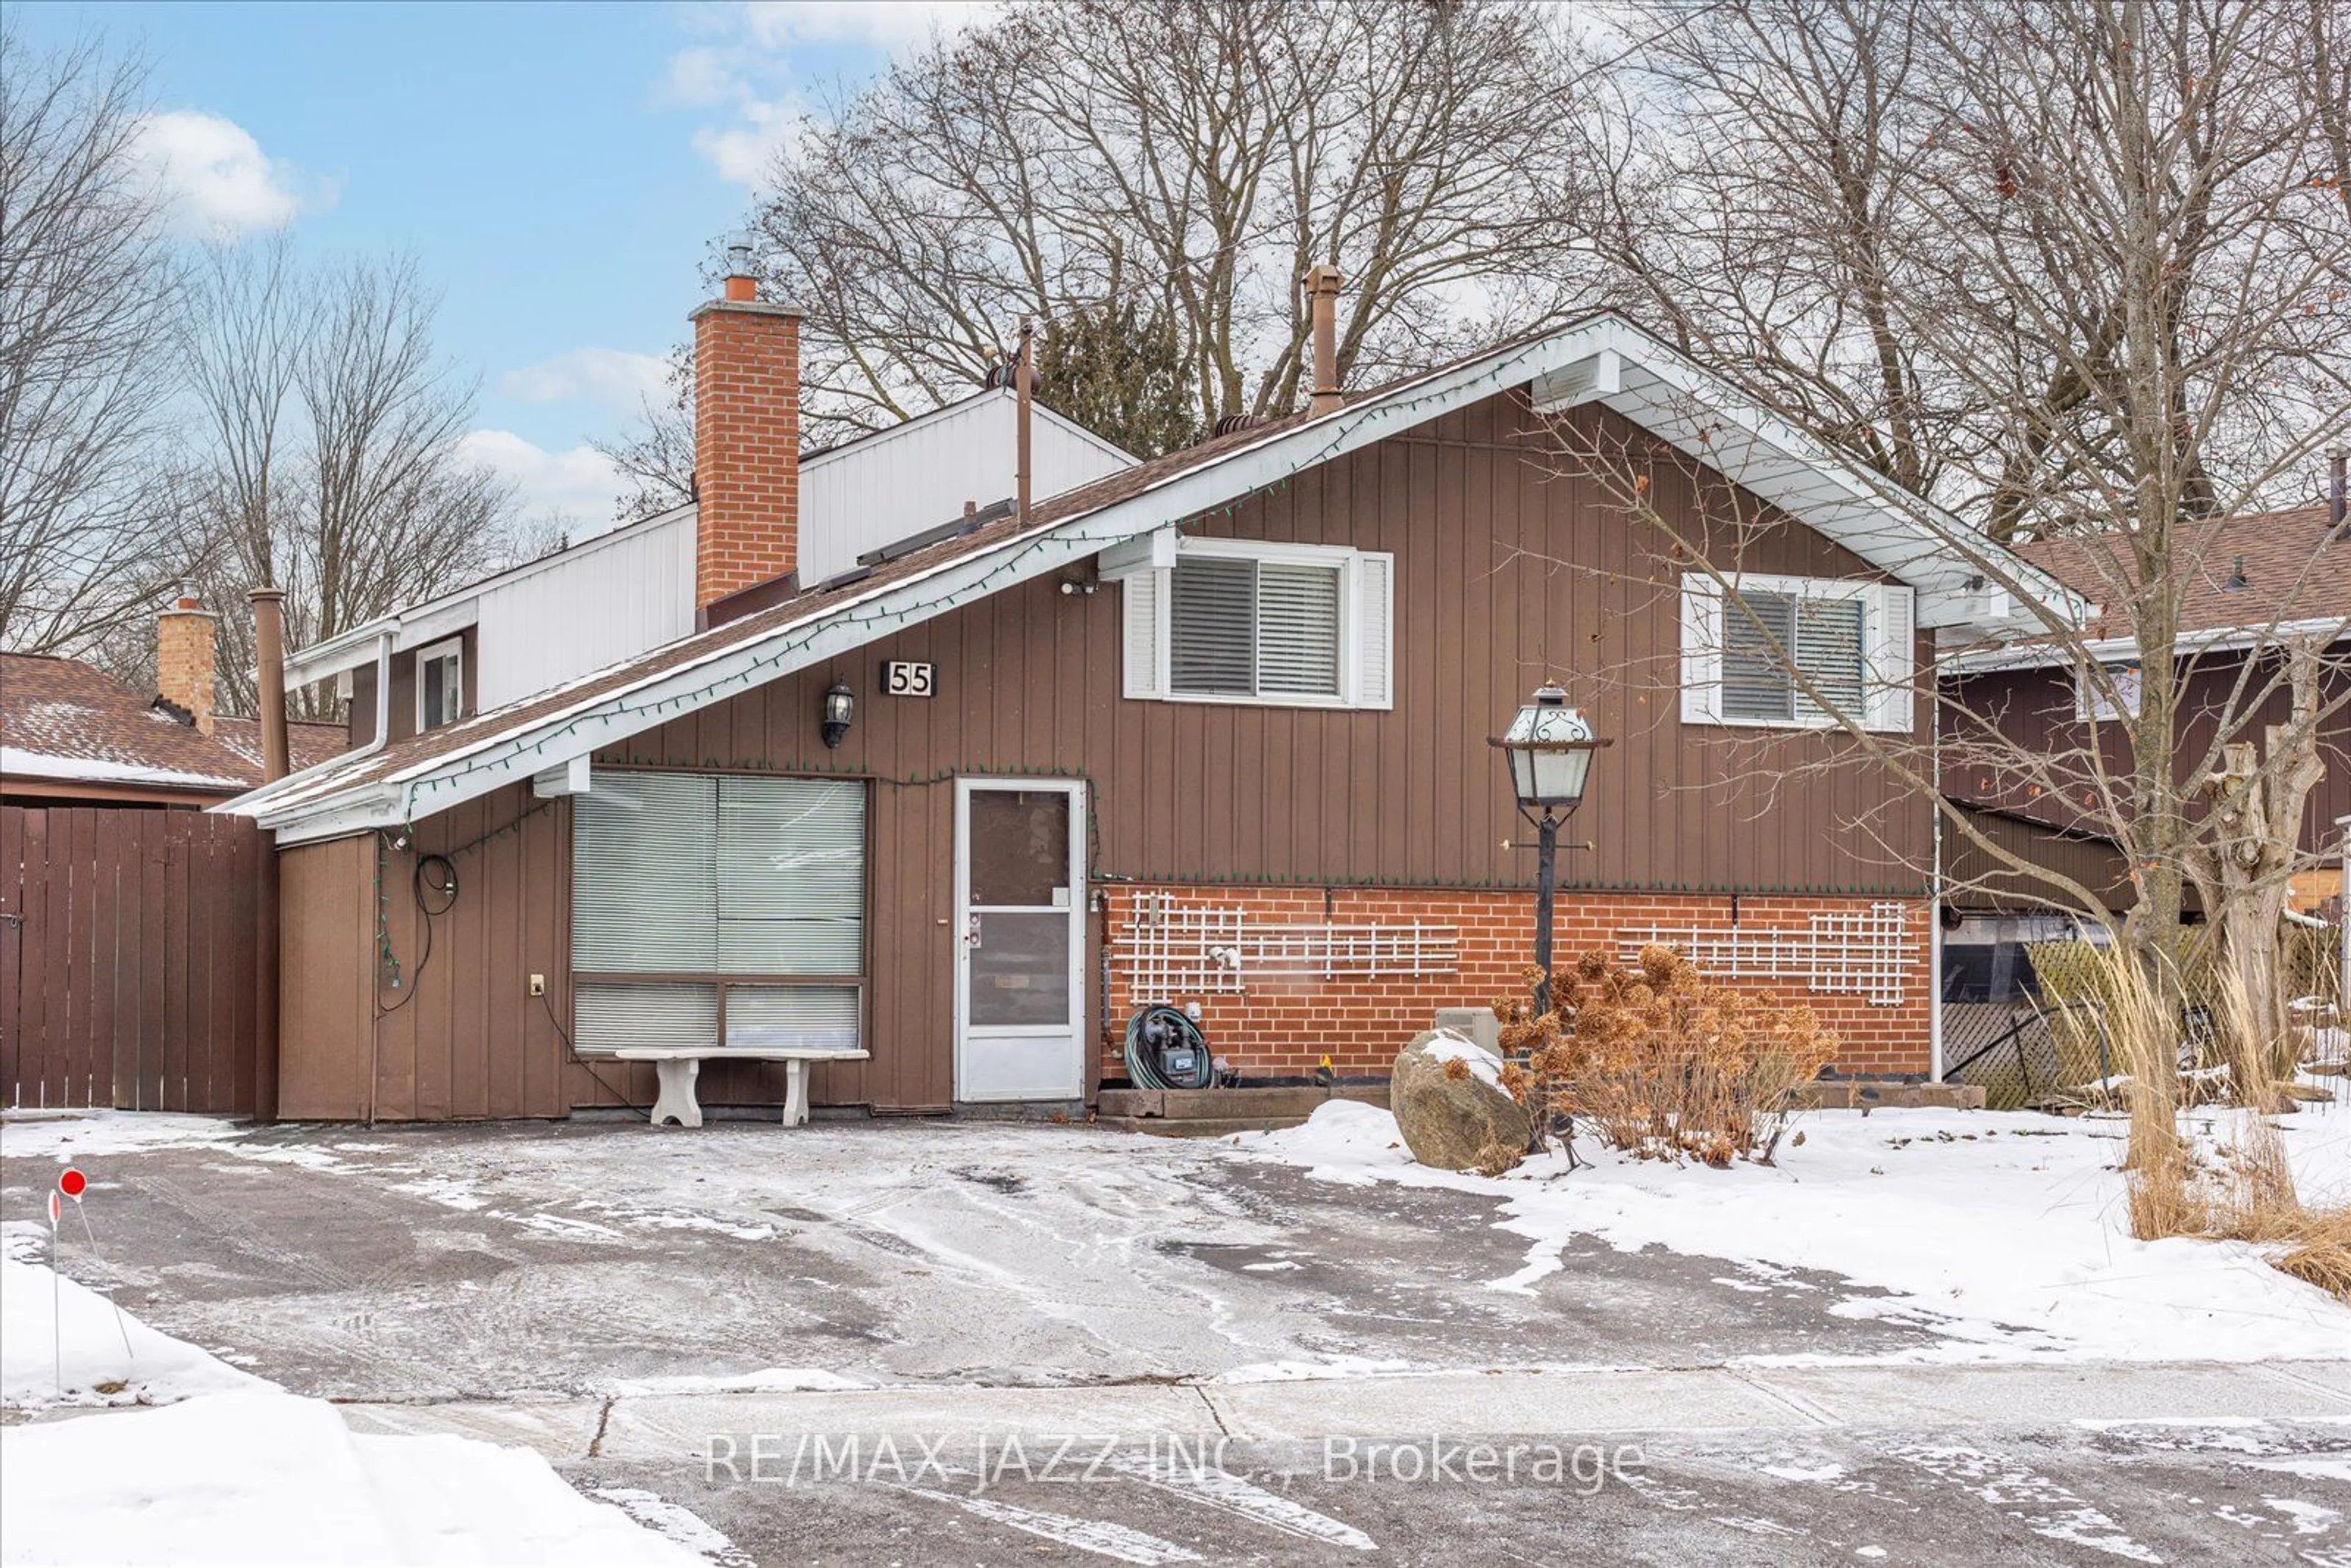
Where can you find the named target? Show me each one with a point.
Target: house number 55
(905, 678)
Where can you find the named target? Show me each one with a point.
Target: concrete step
(1295, 1102)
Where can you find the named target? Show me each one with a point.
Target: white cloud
(743, 73)
(891, 24)
(579, 483)
(219, 182)
(743, 152)
(610, 379)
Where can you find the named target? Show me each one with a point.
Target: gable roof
(1598, 358)
(65, 721)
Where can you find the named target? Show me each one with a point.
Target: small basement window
(1278, 625)
(1850, 640)
(440, 684)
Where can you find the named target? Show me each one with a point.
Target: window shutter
(1701, 649)
(1298, 629)
(1893, 659)
(1146, 595)
(1376, 630)
(644, 891)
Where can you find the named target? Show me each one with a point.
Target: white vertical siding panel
(606, 601)
(896, 483)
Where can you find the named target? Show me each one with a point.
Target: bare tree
(2113, 251)
(88, 298)
(329, 464)
(1193, 159)
(654, 458)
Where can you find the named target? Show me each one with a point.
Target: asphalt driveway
(645, 1306)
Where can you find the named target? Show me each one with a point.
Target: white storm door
(1019, 939)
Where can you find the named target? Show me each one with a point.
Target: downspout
(1935, 903)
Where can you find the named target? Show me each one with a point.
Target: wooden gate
(138, 961)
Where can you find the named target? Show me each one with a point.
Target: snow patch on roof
(92, 769)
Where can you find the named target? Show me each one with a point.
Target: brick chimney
(746, 437)
(186, 635)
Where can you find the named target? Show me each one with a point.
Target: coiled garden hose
(1141, 1067)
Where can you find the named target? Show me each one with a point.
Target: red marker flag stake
(57, 1313)
(73, 1184)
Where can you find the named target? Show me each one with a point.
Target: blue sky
(558, 171)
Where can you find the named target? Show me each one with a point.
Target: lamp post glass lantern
(1548, 749)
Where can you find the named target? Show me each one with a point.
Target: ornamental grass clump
(1662, 1062)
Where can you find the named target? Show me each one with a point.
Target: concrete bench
(679, 1066)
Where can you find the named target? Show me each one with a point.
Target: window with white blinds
(1851, 642)
(705, 883)
(1291, 625)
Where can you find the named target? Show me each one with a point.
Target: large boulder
(1451, 1116)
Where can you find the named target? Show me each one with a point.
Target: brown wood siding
(1507, 570)
(326, 936)
(2033, 711)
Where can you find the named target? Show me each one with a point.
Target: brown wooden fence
(138, 961)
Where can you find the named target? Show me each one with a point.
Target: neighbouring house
(71, 735)
(2028, 731)
(1209, 729)
(639, 586)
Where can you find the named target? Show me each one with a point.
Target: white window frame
(1366, 626)
(2090, 704)
(452, 648)
(1889, 622)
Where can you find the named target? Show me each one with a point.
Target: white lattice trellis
(1849, 953)
(1174, 947)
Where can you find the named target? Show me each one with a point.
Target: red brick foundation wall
(1282, 1025)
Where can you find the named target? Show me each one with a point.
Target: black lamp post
(1549, 748)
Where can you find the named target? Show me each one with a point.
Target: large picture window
(717, 910)
(1285, 625)
(1743, 651)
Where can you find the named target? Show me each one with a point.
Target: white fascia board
(499, 758)
(345, 651)
(1906, 537)
(2102, 650)
(358, 814)
(410, 629)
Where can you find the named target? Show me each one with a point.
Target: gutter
(383, 641)
(2212, 640)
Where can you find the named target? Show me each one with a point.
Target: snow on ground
(64, 1344)
(2004, 1232)
(227, 1469)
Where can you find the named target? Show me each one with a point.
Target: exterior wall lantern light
(1548, 749)
(839, 712)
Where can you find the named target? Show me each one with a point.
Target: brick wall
(1282, 1025)
(747, 435)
